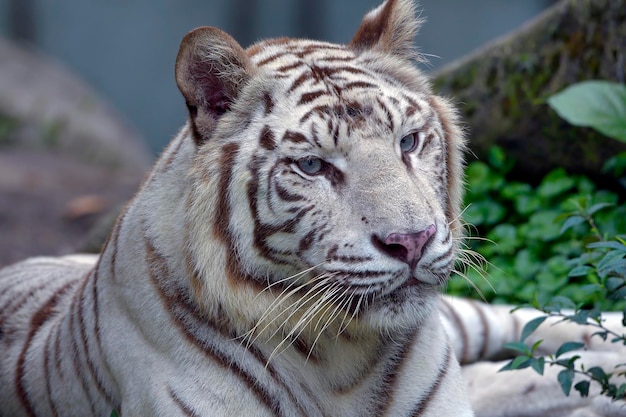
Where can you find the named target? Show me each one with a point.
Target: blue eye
(310, 165)
(408, 143)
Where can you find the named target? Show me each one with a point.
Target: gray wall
(126, 48)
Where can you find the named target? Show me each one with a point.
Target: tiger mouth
(410, 287)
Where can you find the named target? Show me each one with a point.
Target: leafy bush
(533, 234)
(559, 245)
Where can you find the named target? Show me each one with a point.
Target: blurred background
(125, 49)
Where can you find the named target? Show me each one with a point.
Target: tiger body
(205, 366)
(283, 258)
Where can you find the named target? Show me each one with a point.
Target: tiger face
(329, 173)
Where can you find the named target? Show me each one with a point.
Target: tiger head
(329, 176)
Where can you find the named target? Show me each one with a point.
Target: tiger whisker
(291, 289)
(320, 303)
(310, 295)
(302, 322)
(342, 327)
(356, 309)
(459, 218)
(284, 295)
(472, 284)
(339, 295)
(289, 278)
(339, 308)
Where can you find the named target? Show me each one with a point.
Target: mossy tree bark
(501, 89)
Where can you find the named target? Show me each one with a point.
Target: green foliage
(535, 234)
(558, 246)
(597, 104)
(604, 259)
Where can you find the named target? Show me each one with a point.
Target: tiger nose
(408, 247)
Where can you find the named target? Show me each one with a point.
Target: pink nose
(408, 247)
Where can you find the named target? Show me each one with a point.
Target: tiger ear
(211, 69)
(389, 28)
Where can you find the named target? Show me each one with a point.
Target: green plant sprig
(606, 258)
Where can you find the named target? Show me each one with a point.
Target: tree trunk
(501, 89)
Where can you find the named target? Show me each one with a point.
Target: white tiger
(284, 257)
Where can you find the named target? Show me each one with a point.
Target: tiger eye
(310, 165)
(408, 143)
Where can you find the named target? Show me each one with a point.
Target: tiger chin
(283, 258)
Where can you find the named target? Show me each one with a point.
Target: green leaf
(608, 245)
(580, 271)
(114, 413)
(614, 283)
(497, 159)
(580, 317)
(543, 227)
(583, 388)
(597, 104)
(538, 364)
(598, 374)
(568, 363)
(535, 346)
(519, 362)
(602, 334)
(531, 326)
(518, 347)
(513, 189)
(609, 263)
(597, 207)
(615, 165)
(526, 204)
(583, 316)
(484, 212)
(526, 264)
(559, 303)
(565, 378)
(506, 237)
(568, 347)
(571, 222)
(555, 183)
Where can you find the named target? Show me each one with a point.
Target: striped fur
(283, 258)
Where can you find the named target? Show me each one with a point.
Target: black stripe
(74, 343)
(311, 96)
(184, 407)
(359, 84)
(299, 81)
(15, 303)
(485, 330)
(40, 317)
(396, 360)
(272, 58)
(459, 326)
(47, 375)
(267, 139)
(294, 137)
(425, 401)
(85, 340)
(192, 323)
